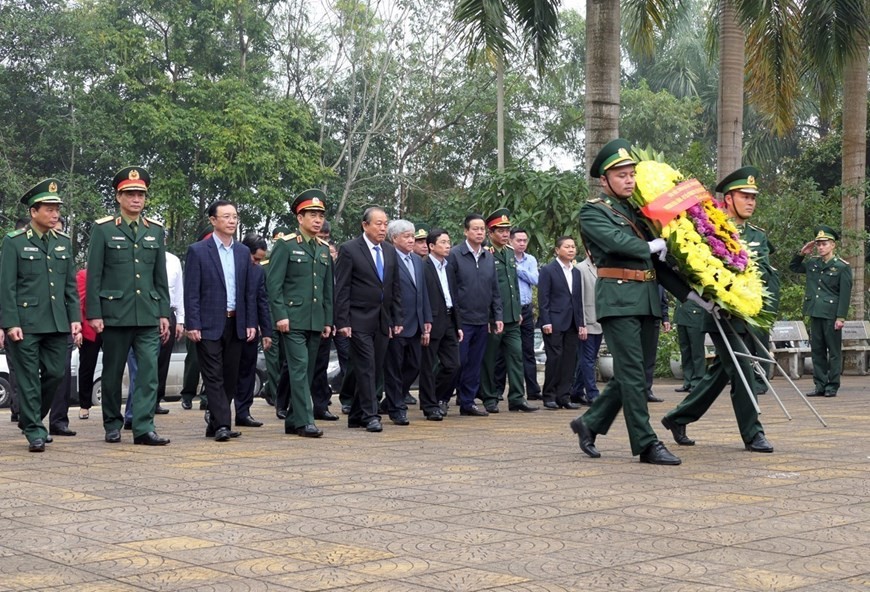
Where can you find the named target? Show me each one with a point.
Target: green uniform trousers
(300, 349)
(826, 345)
(39, 361)
(510, 342)
(631, 341)
(692, 355)
(117, 342)
(273, 355)
(718, 375)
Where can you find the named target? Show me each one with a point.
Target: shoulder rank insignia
(322, 242)
(509, 247)
(264, 262)
(288, 237)
(152, 221)
(13, 233)
(756, 227)
(61, 233)
(593, 200)
(104, 220)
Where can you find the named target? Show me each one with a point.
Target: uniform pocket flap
(28, 302)
(150, 245)
(111, 294)
(155, 294)
(30, 255)
(296, 302)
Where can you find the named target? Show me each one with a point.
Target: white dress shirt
(176, 286)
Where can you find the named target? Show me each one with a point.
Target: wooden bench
(856, 344)
(789, 342)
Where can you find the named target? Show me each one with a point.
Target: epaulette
(61, 233)
(490, 249)
(594, 200)
(13, 233)
(756, 227)
(153, 221)
(509, 247)
(325, 243)
(290, 236)
(264, 262)
(104, 220)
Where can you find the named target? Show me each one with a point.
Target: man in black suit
(220, 304)
(560, 308)
(368, 310)
(403, 359)
(443, 347)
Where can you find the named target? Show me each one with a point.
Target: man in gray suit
(404, 350)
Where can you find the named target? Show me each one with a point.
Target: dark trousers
(342, 349)
(367, 353)
(191, 373)
(38, 360)
(88, 354)
(438, 387)
(244, 397)
(219, 364)
(584, 373)
(164, 357)
(58, 417)
(561, 348)
(321, 392)
(471, 352)
(530, 364)
(826, 344)
(117, 342)
(693, 356)
(401, 368)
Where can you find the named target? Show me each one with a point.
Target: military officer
(627, 302)
(509, 341)
(300, 286)
(826, 302)
(127, 302)
(739, 192)
(39, 301)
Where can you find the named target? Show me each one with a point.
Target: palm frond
(483, 26)
(538, 22)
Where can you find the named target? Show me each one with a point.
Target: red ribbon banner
(674, 202)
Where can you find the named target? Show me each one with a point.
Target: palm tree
(487, 25)
(602, 74)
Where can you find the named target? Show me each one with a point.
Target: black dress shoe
(433, 416)
(534, 397)
(49, 439)
(586, 437)
(281, 414)
(682, 389)
(326, 416)
(113, 436)
(248, 422)
(409, 400)
(400, 419)
(151, 439)
(830, 394)
(210, 433)
(14, 417)
(60, 431)
(444, 406)
(551, 405)
(651, 398)
(524, 407)
(491, 408)
(308, 431)
(657, 454)
(37, 445)
(352, 423)
(568, 405)
(186, 403)
(345, 409)
(759, 444)
(159, 410)
(222, 434)
(128, 425)
(203, 405)
(678, 430)
(374, 426)
(814, 394)
(473, 410)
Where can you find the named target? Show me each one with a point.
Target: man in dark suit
(403, 361)
(368, 310)
(220, 304)
(560, 308)
(446, 333)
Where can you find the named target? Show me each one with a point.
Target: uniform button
(137, 275)
(138, 291)
(315, 300)
(25, 304)
(135, 246)
(135, 261)
(49, 270)
(111, 297)
(52, 298)
(31, 257)
(51, 284)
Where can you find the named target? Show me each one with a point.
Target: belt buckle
(649, 275)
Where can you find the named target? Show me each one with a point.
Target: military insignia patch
(150, 238)
(52, 187)
(623, 153)
(134, 175)
(750, 180)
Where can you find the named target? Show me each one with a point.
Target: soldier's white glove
(659, 246)
(705, 304)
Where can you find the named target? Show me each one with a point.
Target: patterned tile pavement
(504, 503)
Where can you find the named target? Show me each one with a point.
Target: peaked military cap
(500, 218)
(311, 199)
(280, 231)
(743, 179)
(823, 232)
(616, 153)
(43, 192)
(421, 231)
(131, 179)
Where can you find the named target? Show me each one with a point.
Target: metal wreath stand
(756, 364)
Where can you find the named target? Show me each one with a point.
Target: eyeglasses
(228, 217)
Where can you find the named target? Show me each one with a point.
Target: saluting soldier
(300, 286)
(509, 341)
(627, 301)
(40, 307)
(127, 302)
(826, 302)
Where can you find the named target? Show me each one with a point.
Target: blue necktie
(379, 263)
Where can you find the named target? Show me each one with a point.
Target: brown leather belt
(631, 275)
(231, 314)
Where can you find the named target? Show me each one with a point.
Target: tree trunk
(499, 107)
(730, 103)
(602, 75)
(854, 170)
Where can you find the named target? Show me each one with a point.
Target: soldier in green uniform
(300, 287)
(509, 341)
(689, 317)
(128, 303)
(40, 307)
(627, 301)
(273, 355)
(739, 192)
(826, 302)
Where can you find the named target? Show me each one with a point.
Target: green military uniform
(689, 318)
(827, 297)
(628, 307)
(722, 370)
(38, 295)
(300, 286)
(127, 288)
(509, 341)
(275, 354)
